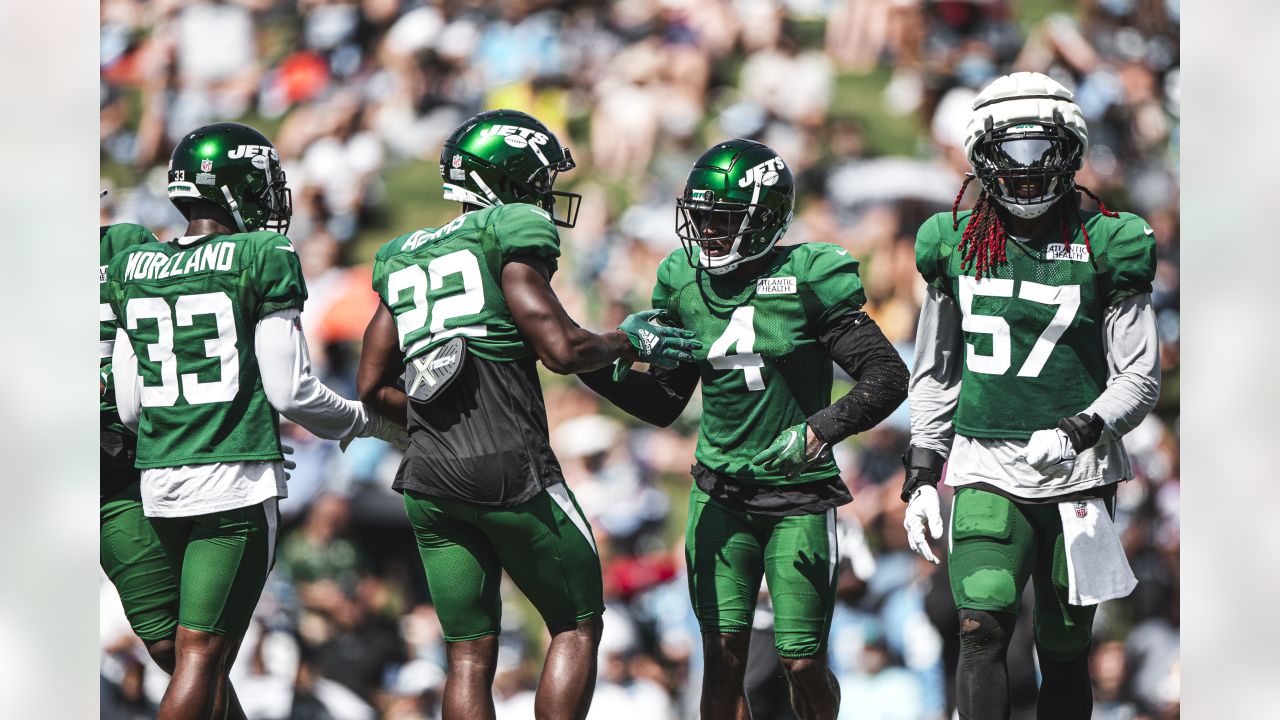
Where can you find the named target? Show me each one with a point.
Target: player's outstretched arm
(381, 364)
(563, 346)
(656, 397)
(285, 365)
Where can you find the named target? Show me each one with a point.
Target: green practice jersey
(190, 313)
(447, 281)
(112, 240)
(1033, 328)
(761, 365)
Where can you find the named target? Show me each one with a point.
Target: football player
(467, 310)
(765, 485)
(208, 354)
(1036, 351)
(129, 550)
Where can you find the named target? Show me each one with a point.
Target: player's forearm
(285, 366)
(858, 346)
(1133, 357)
(124, 368)
(934, 389)
(656, 397)
(561, 345)
(577, 350)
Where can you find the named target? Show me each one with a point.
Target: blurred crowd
(865, 99)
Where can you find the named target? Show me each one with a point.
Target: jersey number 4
(1066, 297)
(161, 352)
(417, 281)
(740, 335)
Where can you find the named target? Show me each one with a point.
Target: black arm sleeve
(857, 345)
(656, 397)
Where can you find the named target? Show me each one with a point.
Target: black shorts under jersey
(484, 439)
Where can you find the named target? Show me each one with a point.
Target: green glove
(661, 345)
(787, 453)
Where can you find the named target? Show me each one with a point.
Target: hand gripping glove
(660, 345)
(381, 428)
(1063, 444)
(789, 453)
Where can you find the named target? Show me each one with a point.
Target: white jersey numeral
(1066, 297)
(469, 302)
(741, 336)
(223, 347)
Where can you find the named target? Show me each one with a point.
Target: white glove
(1048, 448)
(287, 450)
(381, 428)
(923, 508)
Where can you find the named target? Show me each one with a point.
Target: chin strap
(235, 209)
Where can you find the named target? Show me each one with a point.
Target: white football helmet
(1026, 139)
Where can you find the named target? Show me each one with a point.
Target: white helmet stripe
(235, 209)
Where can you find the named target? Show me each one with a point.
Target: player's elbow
(282, 397)
(560, 364)
(560, 356)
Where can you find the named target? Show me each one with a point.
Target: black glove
(1082, 430)
(924, 467)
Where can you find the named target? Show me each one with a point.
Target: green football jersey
(762, 367)
(112, 239)
(190, 313)
(447, 281)
(1033, 328)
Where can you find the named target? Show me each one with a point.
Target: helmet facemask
(1027, 165)
(724, 233)
(273, 200)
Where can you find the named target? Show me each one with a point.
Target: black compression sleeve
(855, 343)
(656, 397)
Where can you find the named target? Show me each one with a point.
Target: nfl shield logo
(1082, 509)
(206, 165)
(457, 161)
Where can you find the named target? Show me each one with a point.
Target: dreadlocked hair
(984, 236)
(983, 242)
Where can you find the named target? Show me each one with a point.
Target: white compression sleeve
(1133, 359)
(936, 372)
(124, 372)
(285, 365)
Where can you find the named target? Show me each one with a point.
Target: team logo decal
(251, 150)
(515, 136)
(766, 173)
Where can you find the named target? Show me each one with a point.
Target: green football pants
(544, 544)
(995, 546)
(728, 552)
(132, 558)
(221, 561)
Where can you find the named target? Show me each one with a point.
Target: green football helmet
(506, 156)
(236, 168)
(737, 204)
